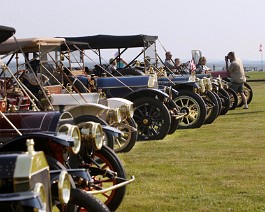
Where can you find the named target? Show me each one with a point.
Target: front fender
(112, 130)
(117, 102)
(40, 141)
(28, 198)
(93, 109)
(146, 92)
(186, 85)
(178, 83)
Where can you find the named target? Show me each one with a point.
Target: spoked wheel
(106, 159)
(233, 98)
(224, 96)
(212, 106)
(152, 117)
(127, 141)
(108, 138)
(248, 93)
(193, 105)
(82, 201)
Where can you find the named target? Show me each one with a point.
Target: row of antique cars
(61, 123)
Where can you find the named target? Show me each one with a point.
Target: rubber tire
(174, 126)
(219, 102)
(148, 104)
(85, 118)
(79, 197)
(214, 112)
(222, 93)
(233, 98)
(114, 164)
(249, 98)
(171, 105)
(129, 144)
(200, 104)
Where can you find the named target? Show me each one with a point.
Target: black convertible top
(114, 41)
(6, 32)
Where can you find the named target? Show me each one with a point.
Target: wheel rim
(104, 181)
(209, 106)
(188, 105)
(125, 139)
(149, 120)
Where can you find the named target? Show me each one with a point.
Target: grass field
(259, 75)
(218, 167)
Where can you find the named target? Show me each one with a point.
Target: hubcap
(145, 121)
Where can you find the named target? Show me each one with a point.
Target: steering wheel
(11, 82)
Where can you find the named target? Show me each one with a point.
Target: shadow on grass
(245, 112)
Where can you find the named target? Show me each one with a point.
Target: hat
(111, 60)
(116, 54)
(168, 53)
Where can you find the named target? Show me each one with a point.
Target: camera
(226, 57)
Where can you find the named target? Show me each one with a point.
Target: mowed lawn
(218, 167)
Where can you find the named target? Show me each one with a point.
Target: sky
(213, 26)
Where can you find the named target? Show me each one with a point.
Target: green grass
(256, 75)
(218, 167)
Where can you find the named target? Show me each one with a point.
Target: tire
(171, 105)
(192, 104)
(108, 138)
(107, 159)
(79, 199)
(233, 98)
(248, 93)
(152, 118)
(222, 93)
(212, 106)
(174, 126)
(127, 141)
(219, 102)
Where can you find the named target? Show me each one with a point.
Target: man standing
(237, 75)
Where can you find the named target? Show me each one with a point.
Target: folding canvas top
(28, 44)
(114, 41)
(6, 32)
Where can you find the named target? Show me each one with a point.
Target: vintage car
(78, 154)
(51, 94)
(155, 113)
(29, 181)
(26, 182)
(18, 126)
(86, 152)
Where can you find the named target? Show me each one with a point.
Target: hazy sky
(213, 26)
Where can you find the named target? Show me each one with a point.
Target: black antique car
(154, 111)
(26, 182)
